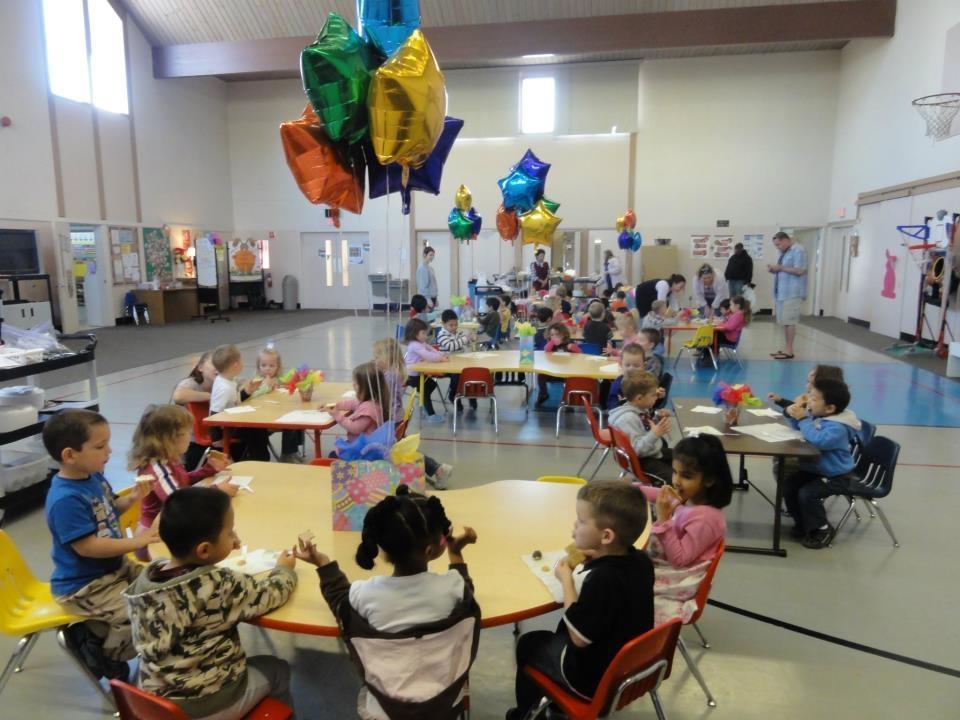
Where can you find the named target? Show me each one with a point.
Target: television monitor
(18, 252)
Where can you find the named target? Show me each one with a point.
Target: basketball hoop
(938, 111)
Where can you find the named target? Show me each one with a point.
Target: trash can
(291, 292)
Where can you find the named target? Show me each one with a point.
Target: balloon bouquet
(629, 238)
(525, 210)
(464, 221)
(377, 110)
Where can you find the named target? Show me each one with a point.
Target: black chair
(874, 474)
(666, 381)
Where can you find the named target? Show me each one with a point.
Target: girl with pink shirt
(689, 526)
(739, 317)
(370, 408)
(415, 335)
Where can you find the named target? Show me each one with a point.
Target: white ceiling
(175, 22)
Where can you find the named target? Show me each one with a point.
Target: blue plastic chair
(590, 348)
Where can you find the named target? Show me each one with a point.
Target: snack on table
(306, 537)
(574, 556)
(216, 455)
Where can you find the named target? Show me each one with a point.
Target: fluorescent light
(597, 241)
(537, 56)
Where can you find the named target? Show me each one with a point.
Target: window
(74, 69)
(537, 104)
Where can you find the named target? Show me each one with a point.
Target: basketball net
(938, 111)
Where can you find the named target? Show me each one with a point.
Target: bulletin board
(158, 256)
(124, 256)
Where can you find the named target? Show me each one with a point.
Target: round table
(511, 517)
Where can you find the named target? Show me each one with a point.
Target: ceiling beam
(461, 46)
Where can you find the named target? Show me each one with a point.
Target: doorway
(333, 270)
(92, 276)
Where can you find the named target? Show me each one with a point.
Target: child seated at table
(632, 359)
(646, 433)
(250, 443)
(828, 425)
(185, 612)
(388, 357)
(419, 309)
(161, 438)
(507, 311)
(733, 322)
(559, 340)
(723, 309)
(614, 605)
(269, 369)
(690, 524)
(626, 325)
(419, 351)
(818, 372)
(490, 321)
(658, 316)
(619, 302)
(553, 304)
(427, 678)
(369, 409)
(595, 330)
(649, 340)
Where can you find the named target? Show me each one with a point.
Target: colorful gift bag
(526, 349)
(360, 484)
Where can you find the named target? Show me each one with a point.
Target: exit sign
(723, 223)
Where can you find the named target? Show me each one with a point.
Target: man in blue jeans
(789, 289)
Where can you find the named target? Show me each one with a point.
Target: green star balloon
(461, 227)
(550, 205)
(336, 70)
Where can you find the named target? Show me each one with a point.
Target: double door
(333, 270)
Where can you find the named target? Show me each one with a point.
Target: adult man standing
(426, 278)
(739, 270)
(789, 289)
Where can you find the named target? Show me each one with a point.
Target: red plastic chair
(135, 704)
(201, 432)
(322, 462)
(475, 383)
(601, 438)
(575, 391)
(626, 457)
(703, 592)
(638, 669)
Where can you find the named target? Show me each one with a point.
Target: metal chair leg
(867, 504)
(592, 451)
(456, 399)
(703, 640)
(846, 515)
(886, 523)
(657, 705)
(95, 681)
(559, 410)
(713, 358)
(599, 464)
(17, 658)
(496, 415)
(696, 672)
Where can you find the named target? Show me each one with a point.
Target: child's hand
(228, 487)
(308, 552)
(662, 427)
(218, 463)
(251, 385)
(797, 411)
(773, 397)
(609, 349)
(661, 392)
(287, 559)
(562, 570)
(667, 501)
(149, 537)
(456, 543)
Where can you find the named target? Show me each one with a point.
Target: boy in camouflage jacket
(185, 613)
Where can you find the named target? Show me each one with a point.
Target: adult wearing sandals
(789, 289)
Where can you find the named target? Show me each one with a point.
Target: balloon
(635, 241)
(507, 224)
(475, 220)
(386, 179)
(538, 225)
(551, 205)
(630, 219)
(461, 227)
(407, 104)
(335, 70)
(532, 166)
(326, 172)
(386, 24)
(621, 224)
(625, 240)
(463, 200)
(520, 191)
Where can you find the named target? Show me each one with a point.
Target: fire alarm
(5, 121)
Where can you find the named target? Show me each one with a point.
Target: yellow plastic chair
(130, 520)
(27, 609)
(702, 340)
(563, 479)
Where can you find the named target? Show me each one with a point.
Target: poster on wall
(699, 246)
(753, 244)
(157, 254)
(206, 260)
(246, 263)
(721, 248)
(125, 256)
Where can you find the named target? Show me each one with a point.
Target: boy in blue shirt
(827, 424)
(90, 567)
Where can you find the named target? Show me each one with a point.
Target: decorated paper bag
(358, 485)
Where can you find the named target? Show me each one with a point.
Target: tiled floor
(862, 590)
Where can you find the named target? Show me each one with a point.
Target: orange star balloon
(407, 104)
(326, 172)
(539, 225)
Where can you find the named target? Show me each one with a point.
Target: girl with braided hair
(414, 634)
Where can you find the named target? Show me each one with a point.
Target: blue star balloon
(625, 240)
(386, 24)
(520, 191)
(476, 220)
(635, 241)
(532, 166)
(384, 179)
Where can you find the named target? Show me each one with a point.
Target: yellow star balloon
(407, 103)
(463, 200)
(539, 225)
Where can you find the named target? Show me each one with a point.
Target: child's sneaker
(442, 476)
(820, 538)
(435, 419)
